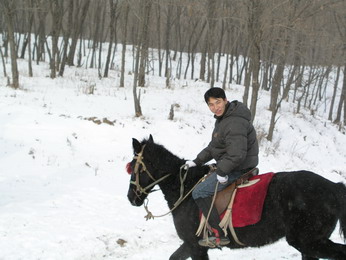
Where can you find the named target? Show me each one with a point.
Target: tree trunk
(331, 109)
(30, 4)
(255, 81)
(8, 11)
(101, 38)
(247, 80)
(220, 50)
(42, 14)
(25, 45)
(199, 36)
(140, 37)
(168, 38)
(123, 51)
(255, 37)
(144, 43)
(224, 82)
(56, 7)
(112, 27)
(210, 41)
(158, 29)
(77, 30)
(342, 101)
(203, 62)
(136, 98)
(96, 33)
(67, 37)
(231, 69)
(189, 49)
(3, 62)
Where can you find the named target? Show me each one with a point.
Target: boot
(218, 239)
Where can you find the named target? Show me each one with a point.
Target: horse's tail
(341, 195)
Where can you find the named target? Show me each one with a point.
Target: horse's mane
(162, 156)
(170, 163)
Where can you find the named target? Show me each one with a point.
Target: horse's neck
(172, 190)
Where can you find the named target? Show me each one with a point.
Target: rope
(227, 221)
(205, 232)
(179, 201)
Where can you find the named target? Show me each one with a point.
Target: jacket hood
(236, 108)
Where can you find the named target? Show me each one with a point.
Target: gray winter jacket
(234, 143)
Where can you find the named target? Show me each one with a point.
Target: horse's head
(144, 176)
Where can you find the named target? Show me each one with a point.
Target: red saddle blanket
(248, 202)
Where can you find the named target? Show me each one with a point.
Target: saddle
(224, 202)
(223, 197)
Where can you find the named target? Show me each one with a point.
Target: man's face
(217, 105)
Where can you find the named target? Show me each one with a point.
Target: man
(233, 146)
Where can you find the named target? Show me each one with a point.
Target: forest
(294, 49)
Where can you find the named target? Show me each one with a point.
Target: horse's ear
(136, 145)
(151, 139)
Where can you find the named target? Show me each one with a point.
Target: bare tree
(96, 31)
(56, 8)
(340, 20)
(66, 36)
(342, 101)
(30, 5)
(81, 12)
(125, 13)
(336, 82)
(40, 39)
(8, 9)
(3, 62)
(255, 11)
(168, 36)
(158, 29)
(143, 18)
(211, 24)
(112, 27)
(144, 43)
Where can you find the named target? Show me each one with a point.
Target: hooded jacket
(234, 143)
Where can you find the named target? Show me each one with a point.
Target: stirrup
(214, 242)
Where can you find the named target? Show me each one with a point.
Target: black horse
(301, 206)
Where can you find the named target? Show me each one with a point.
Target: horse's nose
(132, 198)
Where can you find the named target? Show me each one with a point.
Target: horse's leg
(181, 253)
(187, 250)
(311, 237)
(199, 253)
(315, 249)
(304, 257)
(326, 248)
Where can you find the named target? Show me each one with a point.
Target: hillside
(62, 173)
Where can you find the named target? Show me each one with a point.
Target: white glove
(189, 164)
(222, 179)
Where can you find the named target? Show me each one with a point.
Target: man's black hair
(214, 93)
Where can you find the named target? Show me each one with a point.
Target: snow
(63, 182)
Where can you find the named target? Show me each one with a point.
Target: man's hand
(189, 164)
(222, 179)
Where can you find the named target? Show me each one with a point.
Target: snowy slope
(63, 182)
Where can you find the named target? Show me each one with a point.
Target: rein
(140, 190)
(180, 199)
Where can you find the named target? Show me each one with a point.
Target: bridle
(140, 190)
(139, 162)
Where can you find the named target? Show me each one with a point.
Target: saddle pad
(249, 200)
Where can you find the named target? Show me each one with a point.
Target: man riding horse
(234, 147)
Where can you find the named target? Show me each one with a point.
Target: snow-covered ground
(63, 182)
